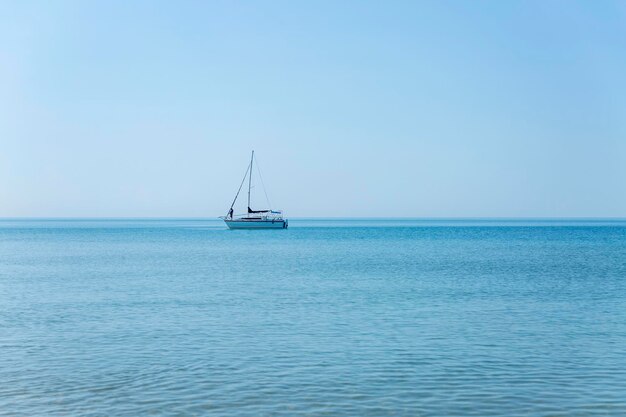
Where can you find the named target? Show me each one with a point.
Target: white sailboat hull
(256, 224)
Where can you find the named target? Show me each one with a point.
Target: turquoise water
(329, 317)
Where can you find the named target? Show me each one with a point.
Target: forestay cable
(242, 181)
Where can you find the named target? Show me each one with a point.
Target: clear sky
(355, 108)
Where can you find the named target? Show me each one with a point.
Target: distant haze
(354, 108)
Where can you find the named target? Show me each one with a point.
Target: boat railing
(273, 215)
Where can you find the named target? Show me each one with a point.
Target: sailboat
(254, 219)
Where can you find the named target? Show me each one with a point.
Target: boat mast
(250, 179)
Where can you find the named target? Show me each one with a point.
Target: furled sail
(257, 211)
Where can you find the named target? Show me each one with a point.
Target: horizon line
(316, 218)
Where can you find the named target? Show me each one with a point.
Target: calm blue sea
(327, 318)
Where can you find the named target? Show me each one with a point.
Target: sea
(330, 317)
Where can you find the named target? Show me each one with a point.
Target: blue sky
(355, 108)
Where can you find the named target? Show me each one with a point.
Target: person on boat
(230, 213)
